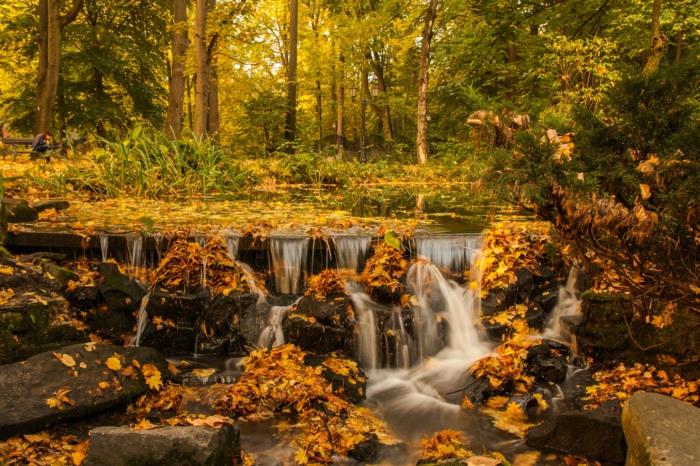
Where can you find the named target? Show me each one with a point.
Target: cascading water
(104, 247)
(272, 335)
(568, 304)
(141, 319)
(418, 394)
(451, 252)
(232, 243)
(288, 262)
(134, 247)
(367, 343)
(350, 250)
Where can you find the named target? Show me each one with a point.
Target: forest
(396, 232)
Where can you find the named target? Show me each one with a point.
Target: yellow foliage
(513, 419)
(385, 268)
(43, 449)
(151, 375)
(114, 363)
(446, 444)
(327, 283)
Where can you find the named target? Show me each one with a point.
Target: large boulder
(72, 386)
(221, 326)
(120, 292)
(166, 446)
(595, 434)
(57, 204)
(660, 431)
(19, 211)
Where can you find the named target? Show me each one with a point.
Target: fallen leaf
(66, 359)
(113, 363)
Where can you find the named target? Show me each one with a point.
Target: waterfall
(249, 277)
(134, 248)
(272, 335)
(288, 262)
(568, 304)
(402, 342)
(351, 250)
(104, 246)
(142, 319)
(451, 252)
(419, 393)
(232, 243)
(368, 346)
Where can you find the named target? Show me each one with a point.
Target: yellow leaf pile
(506, 367)
(509, 247)
(512, 419)
(621, 382)
(444, 445)
(327, 283)
(43, 449)
(186, 265)
(166, 400)
(151, 376)
(277, 381)
(385, 268)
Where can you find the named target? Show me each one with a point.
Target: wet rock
(366, 451)
(595, 434)
(41, 255)
(166, 446)
(19, 211)
(26, 385)
(547, 364)
(324, 310)
(386, 295)
(221, 324)
(112, 325)
(311, 335)
(603, 333)
(83, 297)
(120, 292)
(178, 307)
(58, 204)
(660, 430)
(61, 274)
(169, 338)
(477, 390)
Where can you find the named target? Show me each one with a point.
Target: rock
(314, 336)
(386, 295)
(58, 204)
(113, 325)
(366, 451)
(83, 297)
(120, 292)
(61, 274)
(26, 386)
(178, 307)
(41, 255)
(324, 310)
(595, 434)
(18, 211)
(222, 321)
(547, 364)
(660, 430)
(165, 446)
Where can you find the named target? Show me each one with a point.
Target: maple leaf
(66, 359)
(152, 377)
(59, 398)
(114, 363)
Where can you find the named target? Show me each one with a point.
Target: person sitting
(42, 143)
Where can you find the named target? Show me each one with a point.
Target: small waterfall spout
(568, 304)
(134, 247)
(141, 319)
(272, 335)
(288, 262)
(351, 250)
(232, 243)
(451, 252)
(104, 247)
(368, 344)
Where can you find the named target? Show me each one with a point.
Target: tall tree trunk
(658, 40)
(382, 108)
(422, 148)
(213, 120)
(201, 98)
(340, 110)
(290, 129)
(173, 126)
(679, 47)
(51, 25)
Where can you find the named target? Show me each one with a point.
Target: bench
(12, 144)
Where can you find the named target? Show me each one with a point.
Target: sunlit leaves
(43, 449)
(60, 398)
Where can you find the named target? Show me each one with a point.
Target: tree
(213, 120)
(291, 126)
(658, 40)
(201, 97)
(422, 114)
(177, 74)
(51, 25)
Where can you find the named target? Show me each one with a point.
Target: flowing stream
(288, 262)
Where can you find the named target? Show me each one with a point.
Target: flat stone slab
(167, 446)
(661, 431)
(26, 387)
